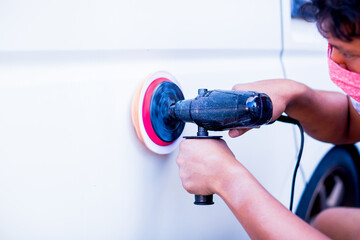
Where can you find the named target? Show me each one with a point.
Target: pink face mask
(348, 81)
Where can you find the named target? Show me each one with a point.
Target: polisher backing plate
(141, 114)
(166, 128)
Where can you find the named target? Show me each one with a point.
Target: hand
(204, 164)
(279, 91)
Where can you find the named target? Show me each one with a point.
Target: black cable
(287, 119)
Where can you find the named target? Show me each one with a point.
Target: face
(346, 54)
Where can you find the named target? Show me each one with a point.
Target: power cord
(287, 119)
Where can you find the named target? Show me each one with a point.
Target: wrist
(298, 94)
(234, 185)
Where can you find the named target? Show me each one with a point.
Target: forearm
(323, 115)
(218, 171)
(261, 215)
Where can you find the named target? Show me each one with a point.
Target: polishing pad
(150, 113)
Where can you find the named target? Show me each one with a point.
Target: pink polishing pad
(144, 127)
(146, 112)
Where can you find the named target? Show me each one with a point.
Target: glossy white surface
(71, 165)
(139, 24)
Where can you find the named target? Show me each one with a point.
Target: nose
(338, 57)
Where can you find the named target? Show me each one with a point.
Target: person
(327, 116)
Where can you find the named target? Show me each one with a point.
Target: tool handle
(204, 199)
(203, 134)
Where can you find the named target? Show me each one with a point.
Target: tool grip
(203, 134)
(204, 199)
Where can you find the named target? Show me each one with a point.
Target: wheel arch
(350, 154)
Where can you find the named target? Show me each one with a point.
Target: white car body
(71, 165)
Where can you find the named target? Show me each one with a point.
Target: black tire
(335, 182)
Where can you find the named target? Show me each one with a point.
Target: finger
(237, 132)
(239, 87)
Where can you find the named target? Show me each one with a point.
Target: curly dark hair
(337, 18)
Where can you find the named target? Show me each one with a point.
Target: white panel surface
(71, 165)
(138, 24)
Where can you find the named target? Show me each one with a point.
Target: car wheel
(335, 182)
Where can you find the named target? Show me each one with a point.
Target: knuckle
(181, 175)
(182, 145)
(186, 182)
(179, 161)
(187, 186)
(236, 87)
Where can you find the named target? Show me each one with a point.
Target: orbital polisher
(160, 112)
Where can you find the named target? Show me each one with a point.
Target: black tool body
(219, 110)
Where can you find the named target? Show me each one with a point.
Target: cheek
(353, 65)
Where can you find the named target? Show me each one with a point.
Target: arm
(218, 171)
(260, 214)
(326, 116)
